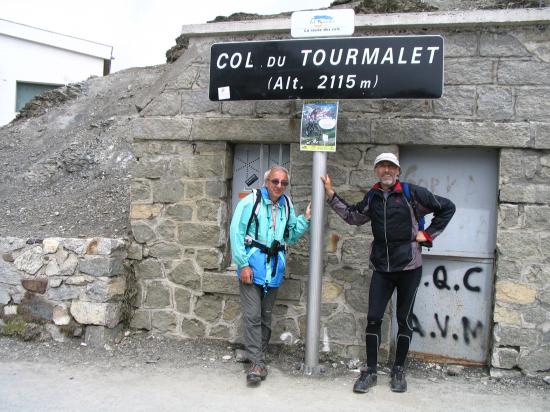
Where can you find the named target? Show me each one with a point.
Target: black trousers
(381, 288)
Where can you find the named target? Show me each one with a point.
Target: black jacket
(394, 223)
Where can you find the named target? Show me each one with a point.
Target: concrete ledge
(384, 21)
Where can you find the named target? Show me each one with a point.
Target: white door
(452, 313)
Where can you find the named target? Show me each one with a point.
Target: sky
(140, 31)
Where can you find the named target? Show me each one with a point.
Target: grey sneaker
(398, 382)
(366, 380)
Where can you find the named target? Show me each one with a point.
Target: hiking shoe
(366, 380)
(256, 374)
(398, 382)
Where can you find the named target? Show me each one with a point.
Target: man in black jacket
(394, 210)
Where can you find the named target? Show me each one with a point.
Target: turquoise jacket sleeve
(297, 226)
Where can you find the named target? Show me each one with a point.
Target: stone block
(525, 193)
(533, 103)
(50, 245)
(52, 269)
(179, 212)
(460, 44)
(291, 289)
(143, 233)
(501, 45)
(8, 274)
(208, 210)
(239, 108)
(149, 269)
(441, 132)
(209, 258)
(494, 102)
(330, 291)
(468, 71)
(65, 292)
(164, 321)
(60, 315)
(30, 261)
(509, 292)
(341, 327)
(157, 295)
(193, 328)
(513, 336)
(505, 358)
(93, 313)
(106, 290)
(140, 191)
(168, 191)
(541, 134)
(138, 211)
(106, 247)
(518, 244)
(456, 101)
(77, 246)
(522, 72)
(166, 250)
(274, 107)
(167, 230)
(358, 299)
(101, 266)
(209, 307)
(198, 234)
(99, 336)
(10, 244)
(506, 316)
(35, 285)
(186, 274)
(534, 360)
(144, 128)
(4, 296)
(226, 283)
(141, 319)
(232, 309)
(355, 251)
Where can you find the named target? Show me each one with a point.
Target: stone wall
(496, 93)
(71, 287)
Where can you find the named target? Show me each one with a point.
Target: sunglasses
(276, 182)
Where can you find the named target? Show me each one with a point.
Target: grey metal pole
(311, 366)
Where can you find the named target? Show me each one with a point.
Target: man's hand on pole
(329, 190)
(246, 275)
(308, 211)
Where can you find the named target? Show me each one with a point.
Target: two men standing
(394, 210)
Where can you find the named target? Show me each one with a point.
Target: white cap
(386, 157)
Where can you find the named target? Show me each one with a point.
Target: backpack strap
(255, 209)
(288, 206)
(410, 198)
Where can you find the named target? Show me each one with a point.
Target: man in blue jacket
(395, 210)
(263, 224)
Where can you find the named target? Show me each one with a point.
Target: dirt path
(159, 374)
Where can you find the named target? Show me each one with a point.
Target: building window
(25, 92)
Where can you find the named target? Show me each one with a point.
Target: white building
(35, 60)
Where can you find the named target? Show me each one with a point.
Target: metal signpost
(395, 67)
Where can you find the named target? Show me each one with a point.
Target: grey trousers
(256, 310)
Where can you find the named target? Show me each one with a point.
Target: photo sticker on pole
(318, 126)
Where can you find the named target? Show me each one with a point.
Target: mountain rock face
(65, 162)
